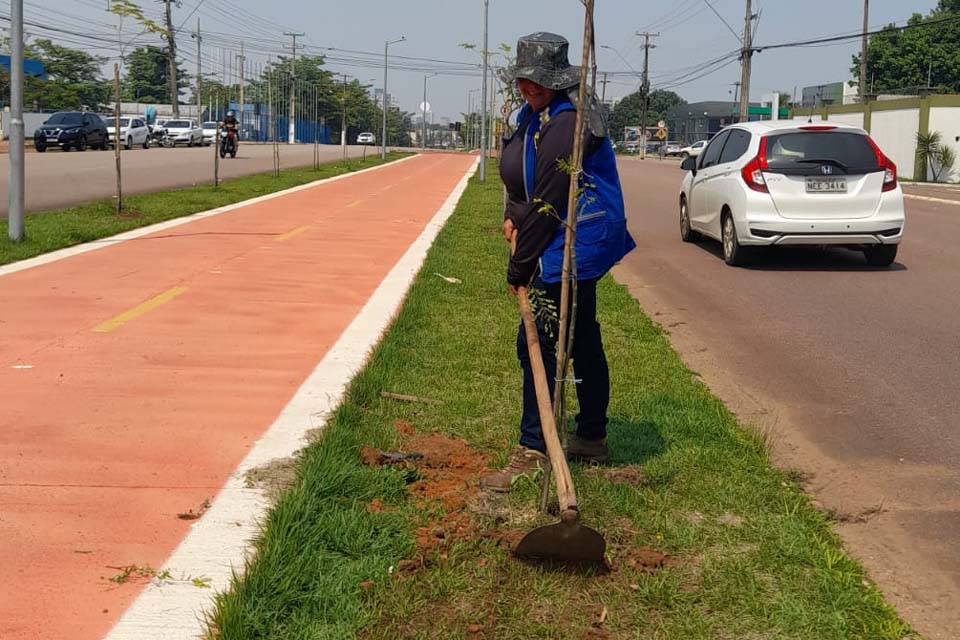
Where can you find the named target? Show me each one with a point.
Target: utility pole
(292, 128)
(172, 61)
(242, 59)
(343, 119)
(423, 139)
(15, 196)
(863, 52)
(603, 95)
(386, 103)
(736, 94)
(483, 97)
(746, 56)
(645, 90)
(199, 72)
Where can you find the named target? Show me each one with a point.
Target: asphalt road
(854, 371)
(56, 179)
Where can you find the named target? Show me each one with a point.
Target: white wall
(852, 119)
(30, 123)
(946, 120)
(896, 132)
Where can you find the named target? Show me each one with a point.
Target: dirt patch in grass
(274, 477)
(449, 470)
(630, 475)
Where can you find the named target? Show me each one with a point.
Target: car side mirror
(689, 164)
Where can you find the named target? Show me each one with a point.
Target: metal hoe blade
(565, 541)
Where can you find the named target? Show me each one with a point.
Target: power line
(724, 21)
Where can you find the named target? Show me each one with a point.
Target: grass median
(706, 539)
(52, 230)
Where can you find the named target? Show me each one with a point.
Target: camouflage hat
(542, 58)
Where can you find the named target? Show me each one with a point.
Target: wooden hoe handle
(565, 491)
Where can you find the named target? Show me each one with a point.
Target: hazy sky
(690, 35)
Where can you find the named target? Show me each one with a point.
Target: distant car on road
(783, 183)
(693, 150)
(133, 131)
(209, 132)
(672, 148)
(184, 132)
(366, 138)
(71, 130)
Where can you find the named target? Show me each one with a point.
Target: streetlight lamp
(423, 139)
(386, 48)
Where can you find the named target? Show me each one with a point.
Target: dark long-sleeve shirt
(551, 187)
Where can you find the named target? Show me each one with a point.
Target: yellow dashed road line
(139, 310)
(290, 234)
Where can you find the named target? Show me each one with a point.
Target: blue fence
(259, 126)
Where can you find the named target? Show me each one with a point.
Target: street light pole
(15, 211)
(483, 96)
(423, 139)
(386, 65)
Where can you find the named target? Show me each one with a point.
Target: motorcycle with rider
(230, 136)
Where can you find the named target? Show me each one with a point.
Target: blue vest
(602, 236)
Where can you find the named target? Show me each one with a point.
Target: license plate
(826, 185)
(51, 138)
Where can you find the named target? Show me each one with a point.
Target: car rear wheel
(128, 145)
(146, 142)
(733, 254)
(687, 234)
(881, 255)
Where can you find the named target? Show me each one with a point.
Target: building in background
(833, 93)
(378, 98)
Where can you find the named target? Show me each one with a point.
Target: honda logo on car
(826, 170)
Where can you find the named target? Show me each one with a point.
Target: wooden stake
(568, 287)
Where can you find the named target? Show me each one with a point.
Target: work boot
(522, 462)
(584, 450)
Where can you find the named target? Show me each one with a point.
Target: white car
(209, 132)
(784, 183)
(693, 150)
(184, 132)
(133, 131)
(672, 148)
(366, 138)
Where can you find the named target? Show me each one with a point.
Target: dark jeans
(589, 364)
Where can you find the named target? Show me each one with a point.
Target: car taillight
(818, 127)
(888, 166)
(752, 173)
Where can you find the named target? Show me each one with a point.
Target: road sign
(424, 107)
(648, 134)
(662, 133)
(661, 125)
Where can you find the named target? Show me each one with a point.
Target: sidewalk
(136, 378)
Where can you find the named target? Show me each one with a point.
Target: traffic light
(458, 125)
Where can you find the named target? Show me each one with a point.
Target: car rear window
(808, 148)
(178, 124)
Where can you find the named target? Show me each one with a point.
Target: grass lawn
(54, 230)
(705, 539)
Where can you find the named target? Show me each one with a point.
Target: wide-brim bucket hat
(543, 58)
